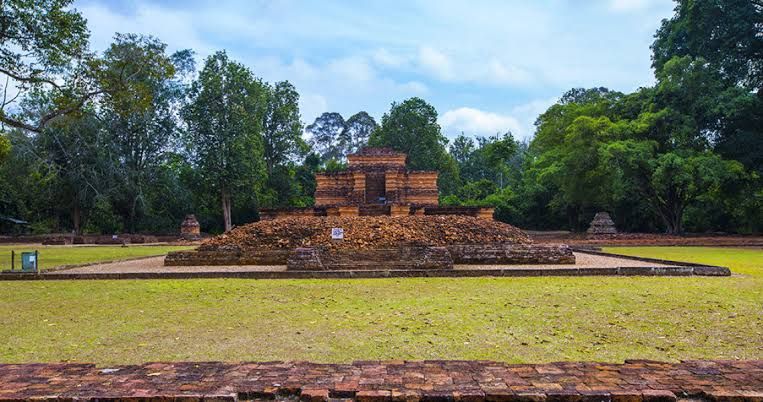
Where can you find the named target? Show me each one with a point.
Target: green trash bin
(29, 261)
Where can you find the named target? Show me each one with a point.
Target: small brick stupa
(190, 228)
(602, 224)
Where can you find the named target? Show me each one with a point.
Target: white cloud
(347, 59)
(494, 72)
(520, 120)
(386, 58)
(527, 113)
(346, 85)
(313, 105)
(435, 62)
(499, 73)
(475, 121)
(172, 26)
(415, 87)
(352, 68)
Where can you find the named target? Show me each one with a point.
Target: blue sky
(486, 66)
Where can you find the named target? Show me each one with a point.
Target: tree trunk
(673, 218)
(76, 219)
(226, 204)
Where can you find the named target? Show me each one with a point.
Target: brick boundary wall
(373, 381)
(227, 257)
(402, 257)
(511, 254)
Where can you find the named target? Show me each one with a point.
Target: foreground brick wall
(634, 381)
(311, 259)
(511, 254)
(403, 257)
(231, 257)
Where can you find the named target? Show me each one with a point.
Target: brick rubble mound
(366, 233)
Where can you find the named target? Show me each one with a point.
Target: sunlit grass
(534, 319)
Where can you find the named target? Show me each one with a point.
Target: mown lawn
(506, 319)
(54, 256)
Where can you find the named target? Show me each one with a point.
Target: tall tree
(462, 149)
(75, 148)
(671, 181)
(721, 42)
(326, 133)
(282, 128)
(334, 138)
(43, 47)
(726, 33)
(225, 114)
(357, 131)
(140, 114)
(411, 127)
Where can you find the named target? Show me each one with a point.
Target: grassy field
(54, 256)
(506, 319)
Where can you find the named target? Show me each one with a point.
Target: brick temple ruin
(386, 217)
(376, 182)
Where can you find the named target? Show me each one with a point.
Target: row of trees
(134, 138)
(686, 153)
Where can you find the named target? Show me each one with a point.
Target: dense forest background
(133, 139)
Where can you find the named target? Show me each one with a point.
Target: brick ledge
(371, 381)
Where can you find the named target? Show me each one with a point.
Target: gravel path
(156, 264)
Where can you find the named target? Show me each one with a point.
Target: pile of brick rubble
(366, 233)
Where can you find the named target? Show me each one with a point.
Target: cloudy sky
(486, 66)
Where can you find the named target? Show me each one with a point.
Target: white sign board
(337, 233)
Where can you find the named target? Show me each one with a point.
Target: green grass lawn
(54, 256)
(505, 319)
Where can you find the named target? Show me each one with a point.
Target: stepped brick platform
(636, 380)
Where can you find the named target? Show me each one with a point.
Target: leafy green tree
(694, 108)
(29, 188)
(282, 128)
(326, 133)
(74, 148)
(567, 169)
(411, 127)
(462, 149)
(673, 180)
(5, 147)
(334, 138)
(225, 115)
(726, 33)
(44, 47)
(721, 42)
(140, 114)
(357, 130)
(488, 159)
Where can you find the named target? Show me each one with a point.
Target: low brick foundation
(226, 257)
(511, 254)
(633, 381)
(402, 258)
